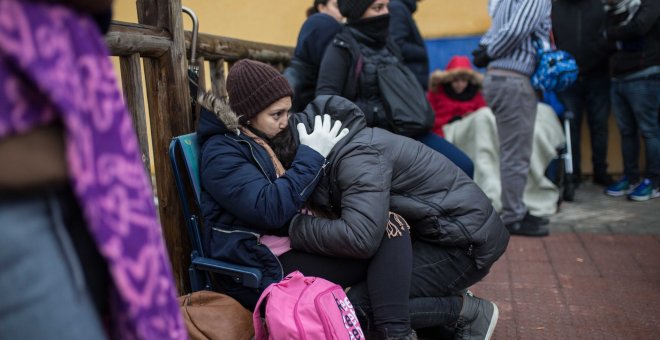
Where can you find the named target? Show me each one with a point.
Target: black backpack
(407, 110)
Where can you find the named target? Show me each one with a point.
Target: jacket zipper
(255, 158)
(455, 221)
(258, 236)
(325, 163)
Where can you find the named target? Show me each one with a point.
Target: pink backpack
(305, 307)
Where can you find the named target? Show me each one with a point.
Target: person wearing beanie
(350, 69)
(463, 117)
(249, 200)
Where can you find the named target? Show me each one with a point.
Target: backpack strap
(260, 330)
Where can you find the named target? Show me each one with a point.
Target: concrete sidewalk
(597, 276)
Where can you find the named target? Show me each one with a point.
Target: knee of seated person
(484, 114)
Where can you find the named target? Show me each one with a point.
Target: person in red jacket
(454, 92)
(464, 119)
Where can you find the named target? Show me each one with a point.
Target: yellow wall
(278, 22)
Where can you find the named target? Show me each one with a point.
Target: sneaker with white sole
(622, 187)
(477, 319)
(645, 191)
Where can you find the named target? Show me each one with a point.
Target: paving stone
(597, 276)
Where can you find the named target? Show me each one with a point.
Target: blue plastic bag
(555, 69)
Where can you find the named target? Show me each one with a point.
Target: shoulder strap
(260, 330)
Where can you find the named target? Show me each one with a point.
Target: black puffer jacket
(349, 68)
(374, 171)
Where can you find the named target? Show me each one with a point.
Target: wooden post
(131, 79)
(218, 77)
(169, 109)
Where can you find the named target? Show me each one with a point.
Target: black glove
(480, 57)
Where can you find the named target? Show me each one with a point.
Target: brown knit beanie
(353, 9)
(252, 86)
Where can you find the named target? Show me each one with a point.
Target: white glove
(322, 138)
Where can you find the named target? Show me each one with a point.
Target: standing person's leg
(597, 96)
(625, 120)
(514, 104)
(644, 97)
(450, 151)
(572, 98)
(45, 293)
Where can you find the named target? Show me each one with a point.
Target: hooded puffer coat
(242, 198)
(373, 171)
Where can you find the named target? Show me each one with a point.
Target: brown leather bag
(214, 316)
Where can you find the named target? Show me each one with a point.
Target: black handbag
(407, 110)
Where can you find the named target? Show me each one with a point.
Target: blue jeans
(450, 151)
(590, 96)
(636, 104)
(43, 284)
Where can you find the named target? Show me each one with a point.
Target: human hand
(323, 138)
(480, 57)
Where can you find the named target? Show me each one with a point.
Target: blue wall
(441, 50)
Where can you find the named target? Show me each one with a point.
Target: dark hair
(285, 147)
(315, 7)
(282, 144)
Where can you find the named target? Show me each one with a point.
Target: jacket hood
(457, 66)
(215, 117)
(315, 35)
(339, 108)
(411, 4)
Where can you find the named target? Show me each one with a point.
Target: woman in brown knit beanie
(249, 199)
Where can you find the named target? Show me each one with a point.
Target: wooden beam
(213, 47)
(169, 109)
(125, 39)
(131, 79)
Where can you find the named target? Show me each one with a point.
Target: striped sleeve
(514, 28)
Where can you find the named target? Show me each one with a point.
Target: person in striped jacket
(508, 52)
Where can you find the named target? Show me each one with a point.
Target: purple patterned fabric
(54, 66)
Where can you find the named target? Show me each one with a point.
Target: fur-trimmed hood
(457, 66)
(221, 109)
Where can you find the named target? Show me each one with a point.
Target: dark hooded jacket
(577, 27)
(405, 34)
(242, 198)
(315, 35)
(373, 171)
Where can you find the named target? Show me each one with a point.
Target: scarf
(54, 67)
(279, 169)
(375, 28)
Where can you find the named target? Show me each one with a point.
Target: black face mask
(376, 28)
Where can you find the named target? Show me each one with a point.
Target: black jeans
(590, 96)
(439, 274)
(385, 279)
